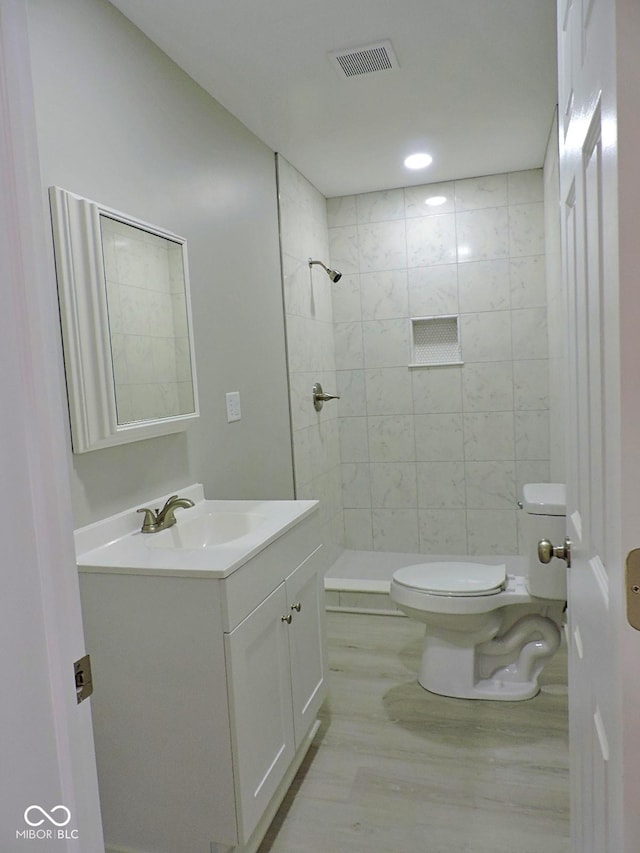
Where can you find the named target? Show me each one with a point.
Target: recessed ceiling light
(418, 161)
(435, 200)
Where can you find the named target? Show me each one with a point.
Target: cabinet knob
(287, 618)
(297, 607)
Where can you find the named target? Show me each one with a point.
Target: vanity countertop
(211, 539)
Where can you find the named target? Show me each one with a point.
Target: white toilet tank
(545, 508)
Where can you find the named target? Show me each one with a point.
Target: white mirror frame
(84, 318)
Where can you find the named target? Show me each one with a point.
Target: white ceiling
(476, 86)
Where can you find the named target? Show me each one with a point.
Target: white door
(603, 456)
(48, 786)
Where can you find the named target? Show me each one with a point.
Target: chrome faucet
(156, 520)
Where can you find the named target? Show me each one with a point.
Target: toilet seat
(453, 578)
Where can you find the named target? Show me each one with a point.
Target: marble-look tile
(346, 300)
(476, 193)
(354, 441)
(441, 485)
(486, 336)
(341, 210)
(393, 484)
(532, 435)
(356, 487)
(391, 438)
(380, 206)
(415, 199)
(487, 387)
(358, 533)
(386, 343)
(442, 531)
(352, 393)
(526, 229)
(382, 246)
(431, 240)
(437, 389)
(395, 530)
(439, 438)
(488, 436)
(490, 485)
(525, 187)
(344, 249)
(384, 295)
(529, 330)
(528, 471)
(484, 286)
(348, 346)
(492, 531)
(528, 282)
(482, 235)
(389, 391)
(531, 384)
(433, 290)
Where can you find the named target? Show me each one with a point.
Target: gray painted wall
(119, 123)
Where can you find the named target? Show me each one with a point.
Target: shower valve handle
(319, 397)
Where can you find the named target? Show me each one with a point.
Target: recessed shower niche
(123, 288)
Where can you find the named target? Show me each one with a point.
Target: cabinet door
(258, 677)
(305, 596)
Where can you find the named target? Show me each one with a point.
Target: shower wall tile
(484, 286)
(442, 531)
(439, 438)
(384, 295)
(391, 438)
(441, 485)
(395, 530)
(488, 435)
(380, 206)
(446, 450)
(388, 391)
(437, 389)
(393, 484)
(477, 193)
(383, 246)
(431, 240)
(483, 235)
(415, 199)
(386, 343)
(342, 211)
(433, 290)
(526, 229)
(488, 387)
(352, 393)
(492, 531)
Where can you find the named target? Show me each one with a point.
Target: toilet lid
(453, 578)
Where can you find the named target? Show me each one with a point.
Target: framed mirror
(125, 309)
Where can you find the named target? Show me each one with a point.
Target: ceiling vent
(365, 60)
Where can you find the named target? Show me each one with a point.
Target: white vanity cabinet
(206, 695)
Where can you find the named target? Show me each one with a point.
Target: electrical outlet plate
(632, 585)
(233, 406)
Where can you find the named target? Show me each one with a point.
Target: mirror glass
(123, 287)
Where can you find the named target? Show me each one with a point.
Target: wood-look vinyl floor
(396, 769)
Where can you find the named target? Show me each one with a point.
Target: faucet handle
(150, 519)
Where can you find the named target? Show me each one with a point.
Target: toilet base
(499, 666)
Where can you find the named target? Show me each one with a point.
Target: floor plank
(396, 769)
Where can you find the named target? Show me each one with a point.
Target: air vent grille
(365, 60)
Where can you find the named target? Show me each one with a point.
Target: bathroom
(134, 132)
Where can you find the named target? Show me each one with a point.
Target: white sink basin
(212, 538)
(207, 530)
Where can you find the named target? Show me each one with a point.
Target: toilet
(489, 633)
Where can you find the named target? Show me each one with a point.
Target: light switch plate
(233, 406)
(632, 585)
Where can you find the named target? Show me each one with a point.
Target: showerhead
(334, 275)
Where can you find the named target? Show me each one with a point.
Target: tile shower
(431, 459)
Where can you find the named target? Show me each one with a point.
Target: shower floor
(359, 581)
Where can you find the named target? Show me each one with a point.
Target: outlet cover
(233, 406)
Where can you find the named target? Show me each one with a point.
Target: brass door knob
(547, 551)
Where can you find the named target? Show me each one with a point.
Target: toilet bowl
(488, 634)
